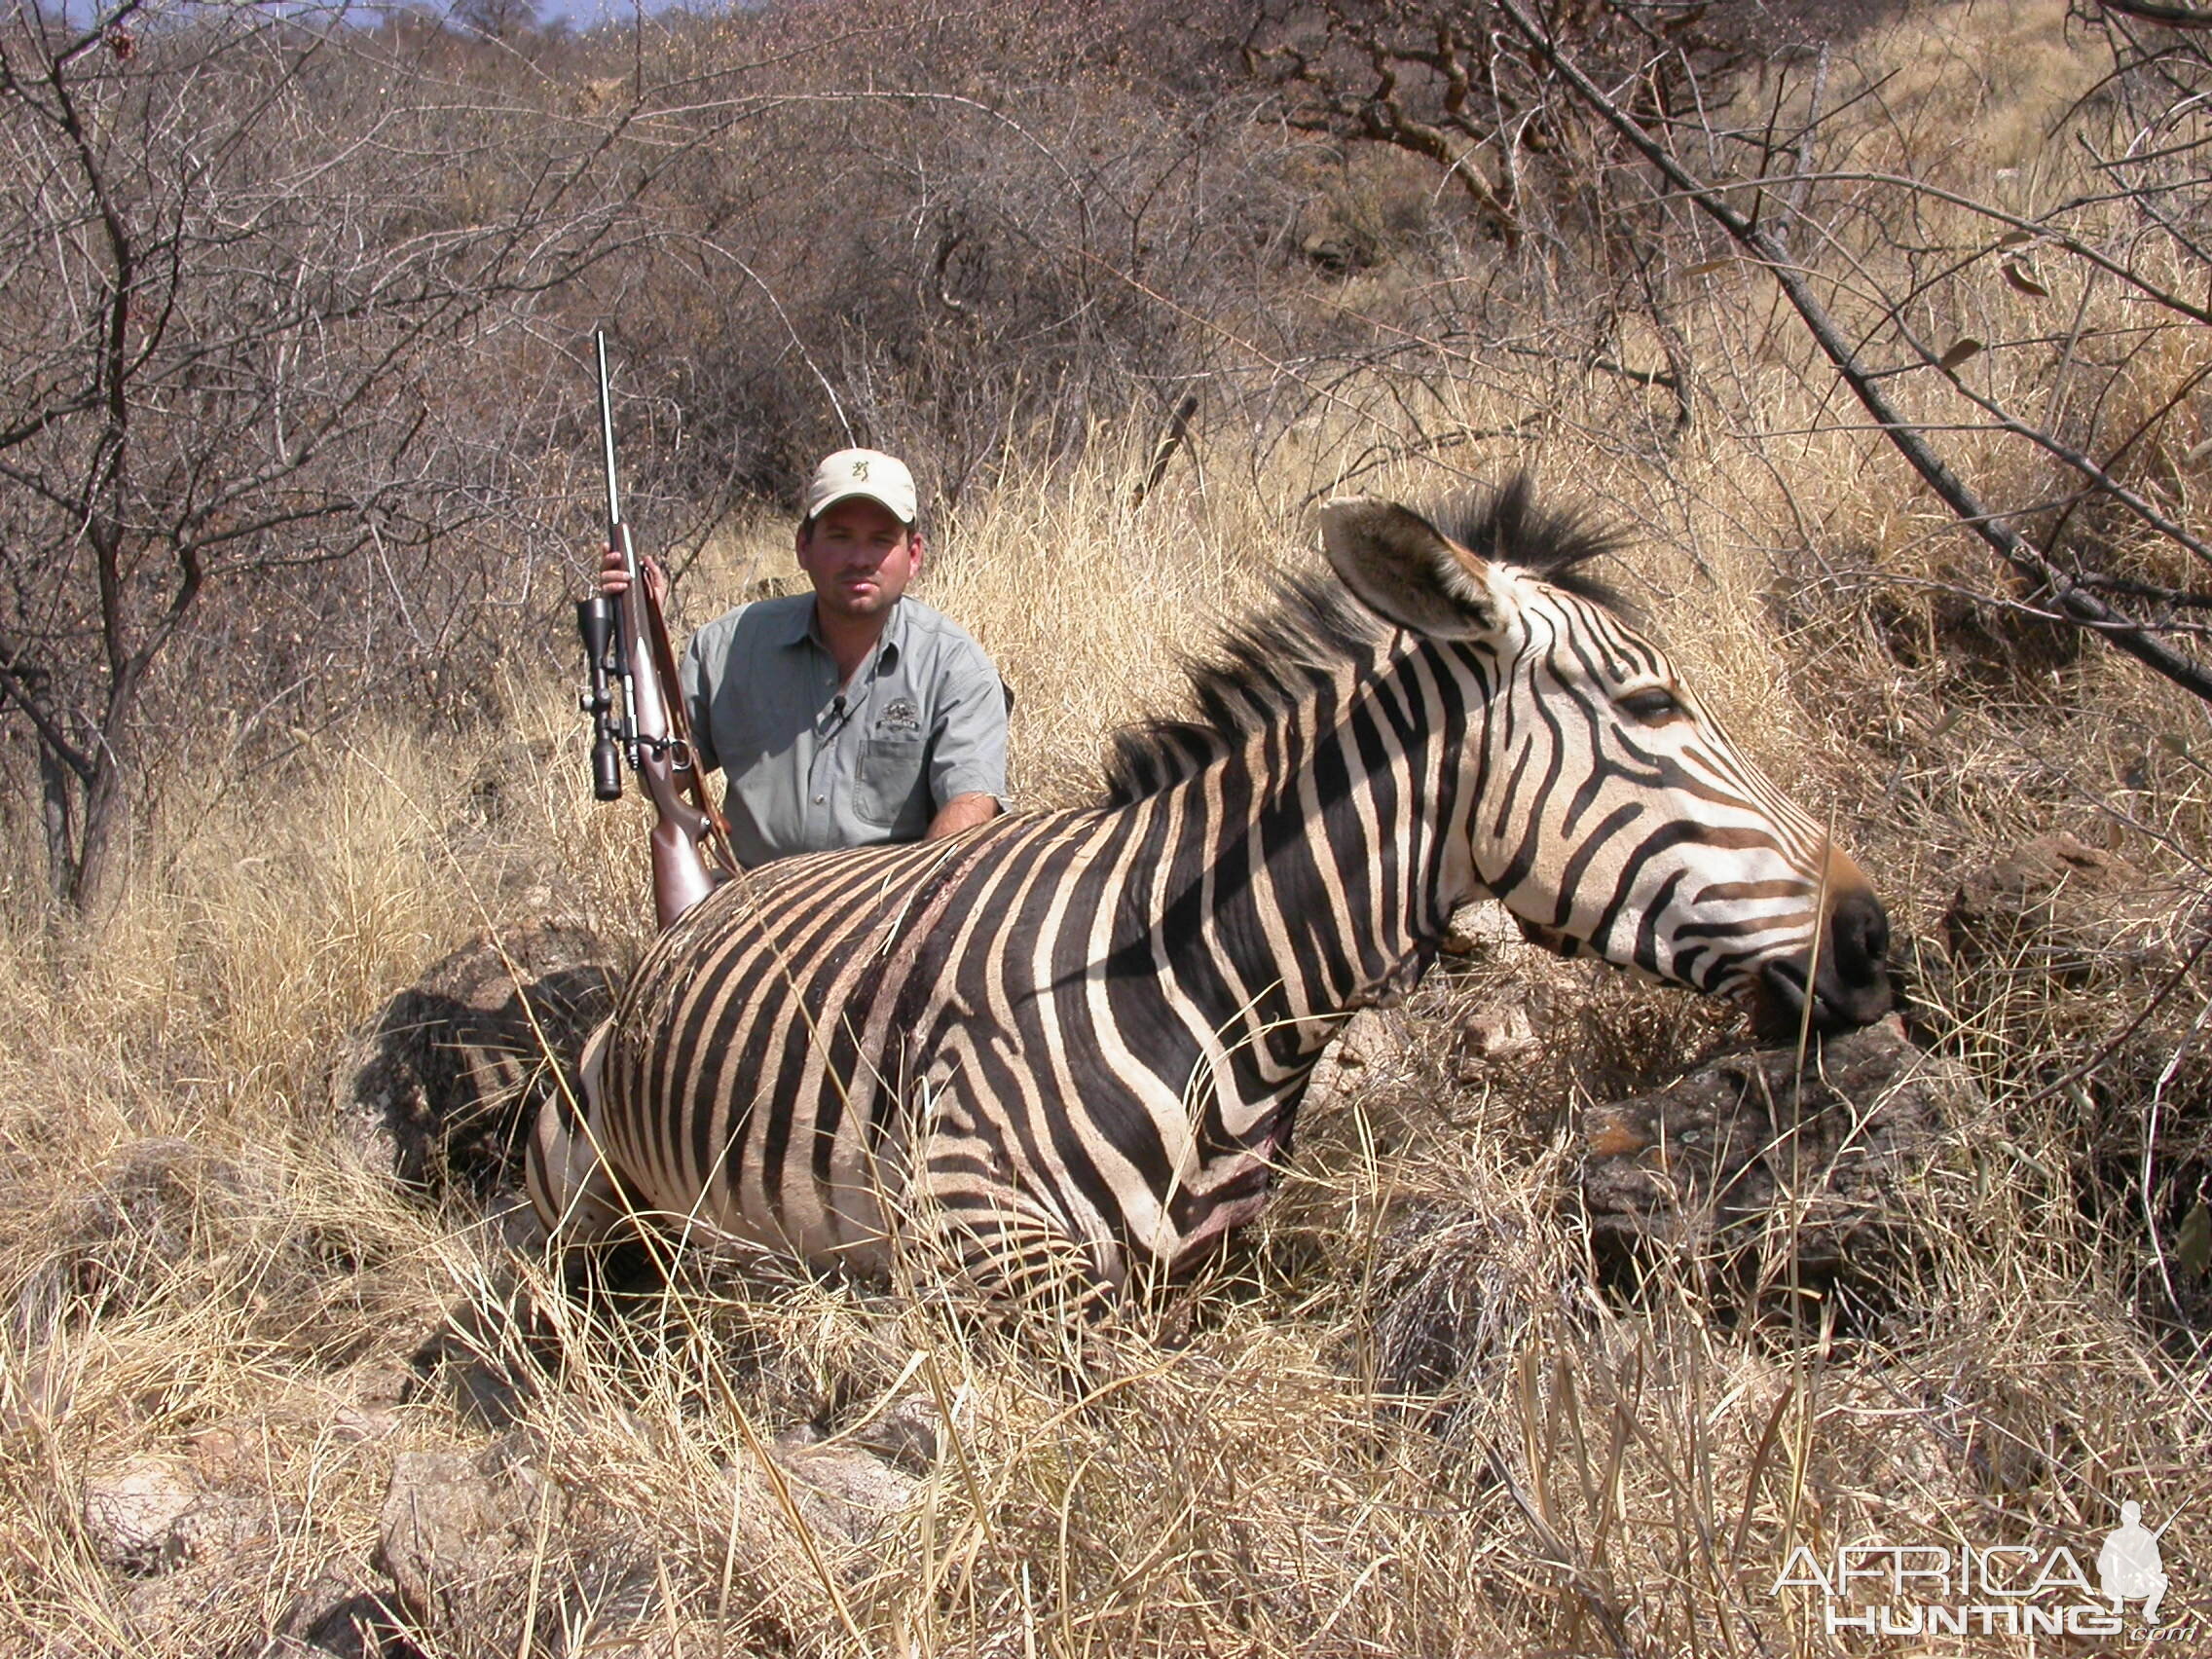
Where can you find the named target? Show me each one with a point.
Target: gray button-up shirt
(809, 766)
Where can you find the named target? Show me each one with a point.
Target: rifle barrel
(606, 432)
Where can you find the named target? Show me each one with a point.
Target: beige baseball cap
(866, 473)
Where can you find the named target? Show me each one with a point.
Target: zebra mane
(1263, 666)
(1556, 545)
(1259, 669)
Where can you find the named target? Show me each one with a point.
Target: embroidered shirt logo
(900, 715)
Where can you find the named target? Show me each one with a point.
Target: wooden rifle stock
(693, 782)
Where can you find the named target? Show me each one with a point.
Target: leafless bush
(240, 278)
(282, 409)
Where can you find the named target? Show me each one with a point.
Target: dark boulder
(442, 1085)
(1749, 1159)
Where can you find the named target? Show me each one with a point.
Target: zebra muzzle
(1848, 975)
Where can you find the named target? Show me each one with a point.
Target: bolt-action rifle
(638, 713)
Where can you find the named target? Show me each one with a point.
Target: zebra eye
(1654, 703)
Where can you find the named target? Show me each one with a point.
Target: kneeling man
(852, 714)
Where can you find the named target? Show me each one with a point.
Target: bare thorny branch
(267, 433)
(2072, 595)
(1447, 86)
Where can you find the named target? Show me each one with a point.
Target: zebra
(1076, 1040)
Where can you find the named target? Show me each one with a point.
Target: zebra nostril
(1853, 985)
(1858, 936)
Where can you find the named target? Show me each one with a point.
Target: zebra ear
(1401, 567)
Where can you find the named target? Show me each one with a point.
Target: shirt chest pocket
(891, 790)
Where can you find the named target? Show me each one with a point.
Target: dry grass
(199, 1265)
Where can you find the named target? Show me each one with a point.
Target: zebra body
(1080, 1038)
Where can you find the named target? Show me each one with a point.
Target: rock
(450, 1523)
(382, 1382)
(840, 1496)
(335, 1615)
(1373, 1040)
(2058, 908)
(148, 1515)
(239, 1452)
(610, 1606)
(441, 1086)
(1742, 1154)
(1370, 1038)
(219, 1525)
(1497, 1034)
(1478, 932)
(131, 1511)
(909, 1435)
(843, 1492)
(465, 1537)
(485, 1361)
(354, 1424)
(227, 1452)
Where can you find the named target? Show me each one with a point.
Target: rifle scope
(595, 623)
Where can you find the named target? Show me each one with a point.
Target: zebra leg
(1051, 1293)
(571, 1188)
(1031, 1264)
(987, 1230)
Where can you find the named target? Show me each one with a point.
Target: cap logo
(881, 478)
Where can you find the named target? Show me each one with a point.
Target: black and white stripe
(1080, 1038)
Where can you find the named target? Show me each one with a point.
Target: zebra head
(1599, 799)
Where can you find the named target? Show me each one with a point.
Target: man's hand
(614, 580)
(962, 812)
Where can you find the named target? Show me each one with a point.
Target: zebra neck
(1316, 857)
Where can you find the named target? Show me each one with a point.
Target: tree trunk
(56, 796)
(98, 879)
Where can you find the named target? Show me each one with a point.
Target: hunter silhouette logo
(2130, 1567)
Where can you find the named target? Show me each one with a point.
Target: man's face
(860, 558)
